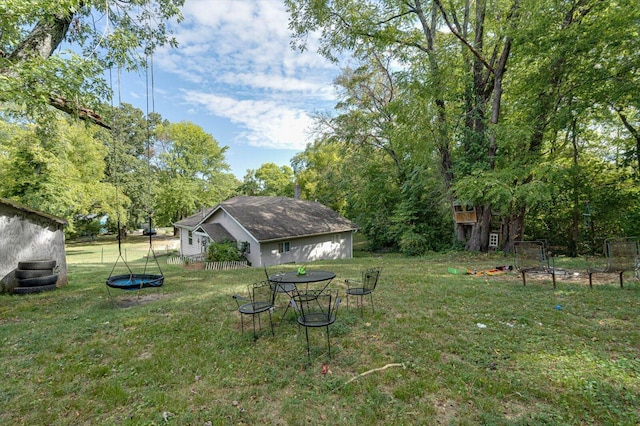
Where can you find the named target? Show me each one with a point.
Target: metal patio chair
(532, 257)
(261, 296)
(287, 289)
(316, 309)
(365, 286)
(621, 255)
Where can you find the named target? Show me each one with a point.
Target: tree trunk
(635, 133)
(44, 39)
(575, 219)
(513, 230)
(479, 239)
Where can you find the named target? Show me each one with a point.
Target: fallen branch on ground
(371, 371)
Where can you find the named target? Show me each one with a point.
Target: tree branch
(461, 38)
(44, 38)
(374, 36)
(81, 112)
(625, 121)
(42, 41)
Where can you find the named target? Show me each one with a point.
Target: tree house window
(494, 239)
(463, 213)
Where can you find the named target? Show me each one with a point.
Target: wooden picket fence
(183, 260)
(225, 266)
(211, 266)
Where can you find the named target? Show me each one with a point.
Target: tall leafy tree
(380, 174)
(319, 173)
(576, 64)
(269, 180)
(54, 53)
(58, 168)
(413, 30)
(498, 135)
(130, 159)
(193, 173)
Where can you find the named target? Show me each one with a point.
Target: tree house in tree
(464, 213)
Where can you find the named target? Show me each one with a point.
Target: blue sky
(235, 75)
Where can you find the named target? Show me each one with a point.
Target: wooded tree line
(66, 56)
(524, 112)
(143, 169)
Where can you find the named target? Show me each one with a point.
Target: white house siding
(200, 241)
(29, 236)
(187, 249)
(329, 246)
(239, 233)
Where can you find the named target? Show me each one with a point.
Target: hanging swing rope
(133, 281)
(114, 173)
(149, 70)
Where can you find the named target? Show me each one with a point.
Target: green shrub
(225, 251)
(412, 244)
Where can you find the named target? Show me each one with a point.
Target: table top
(292, 277)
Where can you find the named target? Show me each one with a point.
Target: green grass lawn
(458, 349)
(104, 249)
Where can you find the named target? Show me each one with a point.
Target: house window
(284, 247)
(204, 242)
(190, 238)
(246, 248)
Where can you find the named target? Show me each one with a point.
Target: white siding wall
(196, 247)
(187, 249)
(239, 234)
(331, 246)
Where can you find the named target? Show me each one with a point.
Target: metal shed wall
(27, 235)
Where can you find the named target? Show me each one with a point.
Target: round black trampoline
(135, 281)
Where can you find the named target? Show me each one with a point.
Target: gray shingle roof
(273, 218)
(193, 220)
(217, 232)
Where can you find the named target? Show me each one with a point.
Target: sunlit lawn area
(458, 349)
(105, 248)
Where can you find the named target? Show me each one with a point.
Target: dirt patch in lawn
(193, 266)
(138, 300)
(578, 277)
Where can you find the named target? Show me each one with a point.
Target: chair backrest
(370, 278)
(530, 255)
(622, 254)
(262, 292)
(317, 308)
(266, 272)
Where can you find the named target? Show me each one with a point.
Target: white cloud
(268, 124)
(235, 60)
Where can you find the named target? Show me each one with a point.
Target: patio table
(288, 283)
(292, 277)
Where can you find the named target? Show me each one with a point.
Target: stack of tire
(35, 276)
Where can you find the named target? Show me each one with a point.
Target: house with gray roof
(272, 230)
